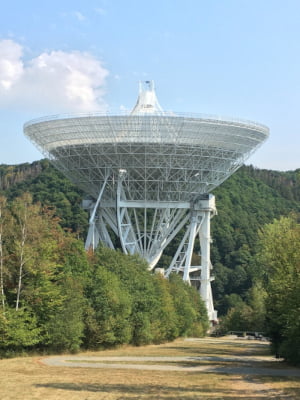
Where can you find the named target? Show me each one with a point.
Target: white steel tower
(148, 175)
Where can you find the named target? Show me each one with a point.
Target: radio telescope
(148, 175)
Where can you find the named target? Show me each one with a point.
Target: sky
(235, 58)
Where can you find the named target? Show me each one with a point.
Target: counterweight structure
(148, 175)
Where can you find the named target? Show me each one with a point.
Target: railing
(167, 114)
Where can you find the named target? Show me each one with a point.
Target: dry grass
(28, 379)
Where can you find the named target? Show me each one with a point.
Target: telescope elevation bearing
(148, 174)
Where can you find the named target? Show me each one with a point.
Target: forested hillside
(49, 187)
(246, 202)
(56, 296)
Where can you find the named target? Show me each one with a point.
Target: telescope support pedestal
(199, 276)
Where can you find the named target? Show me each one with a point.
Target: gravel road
(253, 365)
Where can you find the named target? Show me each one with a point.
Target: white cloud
(55, 81)
(11, 65)
(124, 108)
(79, 16)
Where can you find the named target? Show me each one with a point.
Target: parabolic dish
(167, 157)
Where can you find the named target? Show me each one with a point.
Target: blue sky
(238, 58)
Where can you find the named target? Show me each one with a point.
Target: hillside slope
(245, 202)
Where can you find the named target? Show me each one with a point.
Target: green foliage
(38, 277)
(141, 307)
(238, 318)
(161, 310)
(50, 188)
(246, 202)
(18, 329)
(191, 315)
(200, 324)
(57, 297)
(136, 280)
(65, 325)
(107, 322)
(256, 298)
(279, 256)
(164, 326)
(248, 315)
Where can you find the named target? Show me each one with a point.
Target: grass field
(29, 379)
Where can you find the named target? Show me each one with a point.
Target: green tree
(138, 281)
(65, 326)
(200, 324)
(32, 245)
(18, 329)
(108, 317)
(4, 234)
(248, 315)
(256, 298)
(279, 256)
(238, 318)
(187, 314)
(164, 326)
(44, 282)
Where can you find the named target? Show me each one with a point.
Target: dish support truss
(148, 227)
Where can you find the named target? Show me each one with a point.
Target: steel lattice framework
(148, 174)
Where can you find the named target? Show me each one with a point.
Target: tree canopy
(56, 296)
(279, 257)
(42, 274)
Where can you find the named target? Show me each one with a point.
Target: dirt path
(237, 365)
(246, 370)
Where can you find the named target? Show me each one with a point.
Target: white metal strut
(199, 225)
